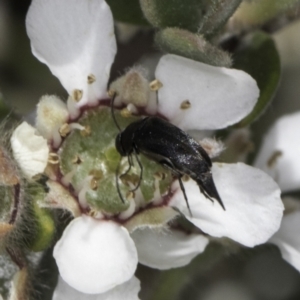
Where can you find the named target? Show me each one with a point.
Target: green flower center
(89, 158)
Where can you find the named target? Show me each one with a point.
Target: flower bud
(52, 113)
(133, 88)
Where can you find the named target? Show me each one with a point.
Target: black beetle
(170, 146)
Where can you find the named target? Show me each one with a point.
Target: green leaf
(199, 16)
(218, 13)
(174, 13)
(4, 109)
(45, 229)
(44, 223)
(191, 45)
(257, 13)
(127, 11)
(258, 56)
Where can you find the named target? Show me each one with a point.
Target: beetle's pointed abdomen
(208, 188)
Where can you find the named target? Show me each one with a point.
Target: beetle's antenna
(112, 110)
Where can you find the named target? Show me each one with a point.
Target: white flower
(279, 157)
(279, 154)
(75, 39)
(126, 291)
(287, 238)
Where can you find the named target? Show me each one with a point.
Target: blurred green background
(257, 274)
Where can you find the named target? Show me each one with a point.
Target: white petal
(75, 39)
(94, 256)
(251, 198)
(30, 150)
(126, 291)
(219, 97)
(288, 239)
(279, 154)
(168, 249)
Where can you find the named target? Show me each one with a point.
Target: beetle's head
(119, 145)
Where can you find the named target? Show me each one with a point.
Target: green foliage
(191, 45)
(45, 228)
(258, 56)
(257, 13)
(4, 109)
(199, 16)
(171, 282)
(174, 13)
(218, 13)
(127, 11)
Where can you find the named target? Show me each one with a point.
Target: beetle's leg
(130, 163)
(141, 173)
(184, 194)
(169, 165)
(117, 182)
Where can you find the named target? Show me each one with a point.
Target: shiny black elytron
(173, 148)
